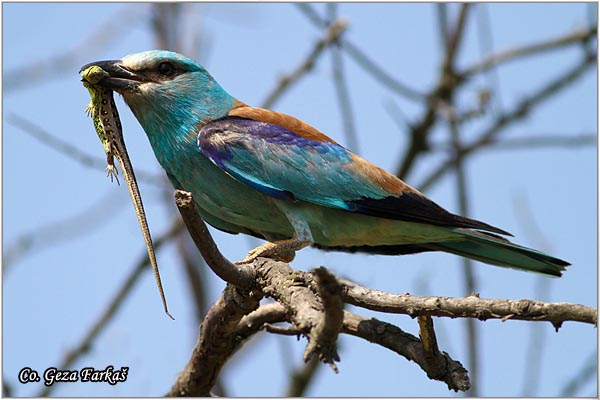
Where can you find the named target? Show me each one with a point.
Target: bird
(272, 176)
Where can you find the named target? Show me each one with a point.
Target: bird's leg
(284, 250)
(281, 250)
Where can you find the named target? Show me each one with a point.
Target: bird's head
(165, 90)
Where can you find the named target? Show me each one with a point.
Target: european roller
(275, 177)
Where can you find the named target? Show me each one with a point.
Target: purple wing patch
(241, 130)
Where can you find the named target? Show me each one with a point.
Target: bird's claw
(283, 250)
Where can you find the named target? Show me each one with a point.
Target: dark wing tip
(475, 224)
(415, 207)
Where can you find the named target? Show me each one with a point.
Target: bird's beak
(114, 76)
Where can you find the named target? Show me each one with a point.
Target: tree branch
(327, 329)
(429, 341)
(238, 275)
(467, 307)
(443, 91)
(391, 337)
(311, 302)
(255, 321)
(291, 288)
(216, 343)
(313, 305)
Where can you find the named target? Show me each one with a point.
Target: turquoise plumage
(270, 175)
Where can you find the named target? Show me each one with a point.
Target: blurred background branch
(87, 342)
(111, 30)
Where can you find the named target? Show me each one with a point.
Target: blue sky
(90, 239)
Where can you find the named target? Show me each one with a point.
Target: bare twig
(387, 335)
(444, 90)
(379, 74)
(266, 314)
(454, 41)
(279, 281)
(238, 275)
(236, 316)
(419, 131)
(507, 118)
(486, 46)
(272, 313)
(110, 311)
(333, 33)
(326, 332)
(294, 292)
(282, 330)
(545, 141)
(429, 341)
(364, 61)
(577, 37)
(298, 305)
(397, 115)
(467, 307)
(225, 329)
(442, 15)
(216, 343)
(418, 142)
(343, 95)
(311, 14)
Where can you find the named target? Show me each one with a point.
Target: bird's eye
(166, 68)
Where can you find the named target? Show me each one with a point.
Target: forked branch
(311, 305)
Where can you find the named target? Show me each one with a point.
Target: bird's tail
(495, 250)
(485, 247)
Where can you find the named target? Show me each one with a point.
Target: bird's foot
(282, 250)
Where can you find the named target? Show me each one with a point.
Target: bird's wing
(288, 159)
